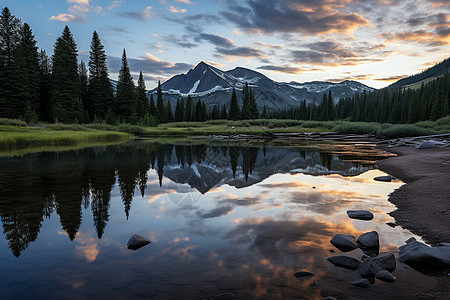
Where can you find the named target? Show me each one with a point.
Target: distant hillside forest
(35, 87)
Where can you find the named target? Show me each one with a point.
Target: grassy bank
(21, 137)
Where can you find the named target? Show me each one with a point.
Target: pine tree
(125, 95)
(27, 72)
(84, 80)
(44, 88)
(161, 108)
(9, 40)
(330, 107)
(101, 94)
(234, 113)
(264, 113)
(152, 107)
(245, 112)
(188, 111)
(223, 113)
(178, 112)
(169, 112)
(253, 107)
(66, 87)
(413, 113)
(143, 106)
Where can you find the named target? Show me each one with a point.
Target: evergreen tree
(413, 113)
(66, 87)
(330, 108)
(178, 112)
(223, 113)
(169, 112)
(44, 88)
(84, 80)
(9, 40)
(152, 107)
(27, 72)
(253, 112)
(264, 113)
(125, 95)
(215, 113)
(101, 94)
(245, 112)
(143, 106)
(234, 113)
(189, 111)
(161, 108)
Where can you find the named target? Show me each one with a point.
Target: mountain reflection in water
(221, 219)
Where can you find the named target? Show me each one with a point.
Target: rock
(386, 261)
(136, 241)
(385, 276)
(368, 268)
(411, 239)
(344, 262)
(424, 258)
(360, 214)
(427, 145)
(303, 274)
(369, 240)
(383, 178)
(363, 282)
(344, 242)
(393, 225)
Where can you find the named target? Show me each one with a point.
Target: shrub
(356, 128)
(12, 122)
(60, 126)
(404, 130)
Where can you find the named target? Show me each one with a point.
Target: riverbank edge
(423, 204)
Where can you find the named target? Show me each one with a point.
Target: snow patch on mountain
(194, 88)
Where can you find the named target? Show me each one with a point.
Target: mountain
(416, 80)
(214, 86)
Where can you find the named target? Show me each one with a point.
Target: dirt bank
(423, 203)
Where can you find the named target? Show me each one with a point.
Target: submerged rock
(393, 225)
(344, 242)
(369, 240)
(427, 145)
(423, 257)
(383, 178)
(385, 276)
(303, 274)
(363, 282)
(360, 214)
(345, 262)
(136, 241)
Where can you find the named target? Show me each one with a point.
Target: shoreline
(423, 202)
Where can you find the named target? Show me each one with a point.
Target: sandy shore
(424, 201)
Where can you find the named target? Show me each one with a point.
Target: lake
(225, 220)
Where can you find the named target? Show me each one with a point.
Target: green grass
(357, 128)
(20, 137)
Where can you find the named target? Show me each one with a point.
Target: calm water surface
(224, 221)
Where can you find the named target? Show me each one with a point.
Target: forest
(35, 87)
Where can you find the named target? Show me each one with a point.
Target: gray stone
(383, 178)
(344, 242)
(393, 225)
(363, 282)
(411, 239)
(360, 214)
(368, 268)
(419, 254)
(369, 240)
(427, 145)
(136, 241)
(345, 262)
(303, 274)
(385, 276)
(386, 261)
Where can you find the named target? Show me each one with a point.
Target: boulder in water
(360, 214)
(369, 240)
(427, 145)
(344, 262)
(383, 178)
(344, 242)
(385, 276)
(363, 282)
(136, 241)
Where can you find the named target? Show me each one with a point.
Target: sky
(375, 42)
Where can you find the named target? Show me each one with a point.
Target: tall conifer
(126, 91)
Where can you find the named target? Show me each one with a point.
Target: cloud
(177, 10)
(115, 3)
(308, 17)
(440, 37)
(391, 78)
(216, 40)
(216, 212)
(355, 77)
(117, 29)
(247, 52)
(181, 42)
(185, 2)
(84, 2)
(286, 69)
(137, 15)
(149, 64)
(63, 18)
